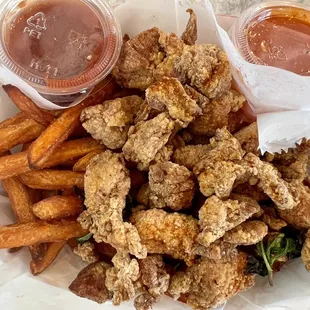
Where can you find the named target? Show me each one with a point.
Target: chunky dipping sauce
(278, 36)
(59, 46)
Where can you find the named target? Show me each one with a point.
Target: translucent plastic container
(275, 34)
(62, 48)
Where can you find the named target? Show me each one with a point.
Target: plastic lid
(60, 47)
(275, 34)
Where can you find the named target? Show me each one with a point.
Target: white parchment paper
(280, 97)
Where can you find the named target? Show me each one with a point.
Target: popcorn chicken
(167, 233)
(146, 139)
(109, 122)
(171, 185)
(107, 184)
(206, 68)
(217, 216)
(210, 283)
(216, 114)
(169, 95)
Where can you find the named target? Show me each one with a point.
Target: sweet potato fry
(26, 105)
(17, 235)
(17, 119)
(57, 207)
(41, 150)
(18, 163)
(14, 164)
(19, 133)
(52, 179)
(52, 252)
(82, 163)
(22, 199)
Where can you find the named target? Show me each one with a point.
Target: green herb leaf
(84, 238)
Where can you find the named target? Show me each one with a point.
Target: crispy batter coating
(247, 233)
(217, 216)
(225, 148)
(87, 252)
(248, 138)
(252, 191)
(305, 252)
(138, 59)
(171, 185)
(146, 139)
(121, 279)
(144, 301)
(220, 177)
(209, 283)
(296, 171)
(190, 155)
(171, 44)
(167, 233)
(169, 95)
(206, 68)
(299, 215)
(109, 122)
(216, 250)
(90, 283)
(190, 35)
(270, 218)
(215, 115)
(153, 275)
(143, 196)
(200, 99)
(107, 184)
(271, 183)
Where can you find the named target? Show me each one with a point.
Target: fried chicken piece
(252, 191)
(171, 185)
(248, 138)
(109, 122)
(167, 233)
(171, 44)
(247, 233)
(190, 35)
(143, 196)
(225, 148)
(146, 139)
(144, 301)
(138, 60)
(298, 216)
(216, 114)
(269, 217)
(235, 121)
(90, 283)
(271, 183)
(220, 177)
(216, 250)
(206, 68)
(210, 283)
(87, 252)
(200, 99)
(121, 279)
(153, 275)
(190, 155)
(169, 95)
(217, 216)
(305, 252)
(107, 184)
(163, 155)
(296, 171)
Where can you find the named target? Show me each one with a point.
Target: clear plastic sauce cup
(62, 48)
(275, 34)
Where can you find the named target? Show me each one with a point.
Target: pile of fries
(40, 180)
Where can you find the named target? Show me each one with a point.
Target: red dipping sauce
(275, 35)
(60, 47)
